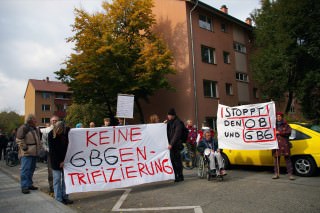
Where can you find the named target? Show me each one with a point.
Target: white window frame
(239, 47)
(205, 22)
(211, 54)
(213, 89)
(242, 77)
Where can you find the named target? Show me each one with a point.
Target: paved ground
(243, 190)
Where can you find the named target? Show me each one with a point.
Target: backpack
(185, 133)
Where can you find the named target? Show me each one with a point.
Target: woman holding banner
(58, 144)
(283, 131)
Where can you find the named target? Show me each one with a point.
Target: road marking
(117, 206)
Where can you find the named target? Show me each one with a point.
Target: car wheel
(225, 161)
(304, 166)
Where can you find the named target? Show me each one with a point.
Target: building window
(242, 77)
(205, 22)
(255, 93)
(211, 122)
(239, 47)
(226, 57)
(45, 95)
(229, 89)
(224, 27)
(208, 54)
(45, 120)
(210, 89)
(45, 107)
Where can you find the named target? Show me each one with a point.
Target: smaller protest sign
(125, 106)
(247, 127)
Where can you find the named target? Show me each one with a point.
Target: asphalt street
(242, 190)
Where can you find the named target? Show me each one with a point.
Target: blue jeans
(28, 165)
(59, 186)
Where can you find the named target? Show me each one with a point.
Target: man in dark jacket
(174, 132)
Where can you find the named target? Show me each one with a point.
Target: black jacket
(57, 149)
(174, 131)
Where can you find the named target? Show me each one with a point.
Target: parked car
(305, 153)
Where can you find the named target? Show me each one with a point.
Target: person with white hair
(208, 142)
(28, 140)
(45, 145)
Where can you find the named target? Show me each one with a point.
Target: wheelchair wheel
(201, 168)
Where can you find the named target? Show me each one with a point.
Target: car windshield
(312, 127)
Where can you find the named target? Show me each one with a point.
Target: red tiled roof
(49, 86)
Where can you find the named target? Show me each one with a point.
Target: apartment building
(211, 50)
(45, 98)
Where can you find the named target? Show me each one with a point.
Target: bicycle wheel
(186, 158)
(201, 169)
(11, 160)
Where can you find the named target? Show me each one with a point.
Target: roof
(223, 15)
(49, 86)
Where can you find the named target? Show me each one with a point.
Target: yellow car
(305, 153)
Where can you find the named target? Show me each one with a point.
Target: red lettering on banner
(89, 138)
(143, 153)
(124, 153)
(129, 171)
(141, 167)
(101, 138)
(111, 176)
(134, 133)
(124, 136)
(95, 174)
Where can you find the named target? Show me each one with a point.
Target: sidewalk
(12, 200)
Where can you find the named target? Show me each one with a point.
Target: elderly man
(29, 147)
(45, 145)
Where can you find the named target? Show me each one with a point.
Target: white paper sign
(125, 106)
(114, 157)
(247, 127)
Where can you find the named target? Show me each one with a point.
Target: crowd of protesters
(53, 142)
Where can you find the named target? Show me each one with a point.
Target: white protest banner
(114, 157)
(247, 127)
(125, 106)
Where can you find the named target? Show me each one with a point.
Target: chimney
(224, 9)
(47, 79)
(249, 21)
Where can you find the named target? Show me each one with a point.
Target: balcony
(60, 114)
(62, 101)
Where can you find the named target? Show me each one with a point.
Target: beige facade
(211, 51)
(45, 98)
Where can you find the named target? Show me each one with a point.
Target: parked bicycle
(189, 157)
(12, 154)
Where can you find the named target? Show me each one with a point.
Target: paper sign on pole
(114, 157)
(125, 106)
(247, 127)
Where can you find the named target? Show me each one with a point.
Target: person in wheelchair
(213, 153)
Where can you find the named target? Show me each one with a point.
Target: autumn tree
(9, 120)
(116, 52)
(85, 113)
(286, 58)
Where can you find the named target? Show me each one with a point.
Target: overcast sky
(33, 40)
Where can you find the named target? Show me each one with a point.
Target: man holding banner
(174, 132)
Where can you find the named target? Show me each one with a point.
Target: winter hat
(280, 113)
(172, 112)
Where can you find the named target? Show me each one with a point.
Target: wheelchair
(204, 167)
